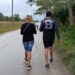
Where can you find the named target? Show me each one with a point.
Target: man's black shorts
(48, 44)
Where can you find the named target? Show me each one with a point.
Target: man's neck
(48, 17)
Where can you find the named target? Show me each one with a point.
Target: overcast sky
(20, 7)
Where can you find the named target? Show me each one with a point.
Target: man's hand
(59, 41)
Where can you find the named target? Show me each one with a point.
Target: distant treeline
(16, 17)
(6, 18)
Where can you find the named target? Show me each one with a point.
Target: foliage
(1, 17)
(62, 15)
(16, 17)
(49, 5)
(67, 48)
(59, 8)
(73, 7)
(7, 26)
(6, 18)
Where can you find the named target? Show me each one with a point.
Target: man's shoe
(51, 60)
(29, 67)
(47, 65)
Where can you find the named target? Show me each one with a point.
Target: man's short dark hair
(48, 13)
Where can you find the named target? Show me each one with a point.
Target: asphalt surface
(12, 57)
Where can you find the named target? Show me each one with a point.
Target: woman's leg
(30, 45)
(29, 58)
(26, 55)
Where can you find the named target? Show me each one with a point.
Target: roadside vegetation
(66, 49)
(7, 26)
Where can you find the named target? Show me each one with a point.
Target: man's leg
(46, 55)
(46, 58)
(51, 52)
(51, 55)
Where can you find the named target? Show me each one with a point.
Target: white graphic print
(48, 24)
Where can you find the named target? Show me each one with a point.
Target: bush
(67, 47)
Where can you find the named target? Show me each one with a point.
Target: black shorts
(48, 44)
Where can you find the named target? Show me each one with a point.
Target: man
(27, 30)
(49, 26)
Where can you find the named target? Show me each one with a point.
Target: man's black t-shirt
(49, 26)
(28, 33)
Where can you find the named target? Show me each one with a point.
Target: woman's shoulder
(32, 23)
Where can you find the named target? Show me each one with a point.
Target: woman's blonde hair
(27, 18)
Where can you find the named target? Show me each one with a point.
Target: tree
(16, 17)
(1, 17)
(49, 5)
(70, 12)
(55, 6)
(6, 18)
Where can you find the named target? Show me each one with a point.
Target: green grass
(7, 26)
(67, 48)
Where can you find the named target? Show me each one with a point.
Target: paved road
(12, 57)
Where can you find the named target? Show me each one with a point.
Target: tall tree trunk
(70, 12)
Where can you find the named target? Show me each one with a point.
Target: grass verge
(7, 26)
(66, 49)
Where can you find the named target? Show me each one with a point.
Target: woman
(27, 30)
